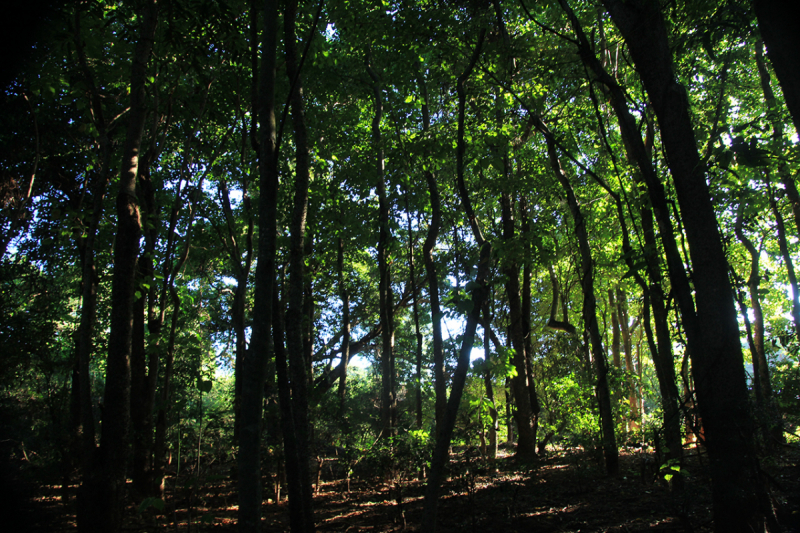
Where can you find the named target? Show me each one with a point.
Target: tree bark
(779, 32)
(640, 153)
(254, 362)
(763, 385)
(526, 443)
(388, 395)
(479, 294)
(439, 381)
(610, 452)
(345, 354)
(774, 117)
(527, 276)
(104, 488)
(296, 319)
(783, 244)
(740, 500)
(615, 333)
(415, 308)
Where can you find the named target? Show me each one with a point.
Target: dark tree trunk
(787, 258)
(763, 385)
(89, 275)
(487, 382)
(739, 496)
(89, 283)
(296, 315)
(479, 294)
(615, 333)
(242, 272)
(292, 464)
(639, 153)
(388, 398)
(779, 32)
(254, 362)
(526, 444)
(415, 307)
(439, 382)
(144, 362)
(527, 276)
(610, 451)
(104, 488)
(774, 116)
(345, 297)
(627, 343)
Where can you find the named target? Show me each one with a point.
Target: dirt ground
(566, 491)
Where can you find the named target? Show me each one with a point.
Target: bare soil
(566, 491)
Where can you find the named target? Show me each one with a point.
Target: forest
(499, 265)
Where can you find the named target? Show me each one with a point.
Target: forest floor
(566, 491)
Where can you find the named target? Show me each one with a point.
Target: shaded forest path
(564, 492)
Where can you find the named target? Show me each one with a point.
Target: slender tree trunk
(292, 464)
(345, 297)
(787, 258)
(527, 276)
(89, 275)
(526, 444)
(627, 343)
(254, 362)
(439, 382)
(415, 307)
(640, 154)
(104, 488)
(479, 294)
(739, 496)
(763, 387)
(144, 362)
(385, 288)
(297, 320)
(487, 382)
(779, 31)
(610, 451)
(774, 116)
(242, 272)
(89, 284)
(615, 333)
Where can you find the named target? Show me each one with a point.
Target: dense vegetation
(246, 232)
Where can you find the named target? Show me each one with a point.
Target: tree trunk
(445, 431)
(787, 258)
(738, 494)
(254, 362)
(439, 382)
(773, 114)
(388, 397)
(296, 319)
(527, 276)
(627, 343)
(615, 332)
(104, 488)
(639, 153)
(487, 382)
(610, 451)
(415, 307)
(761, 378)
(345, 297)
(779, 32)
(526, 444)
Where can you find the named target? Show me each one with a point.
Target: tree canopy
(224, 211)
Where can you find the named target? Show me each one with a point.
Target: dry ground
(564, 492)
